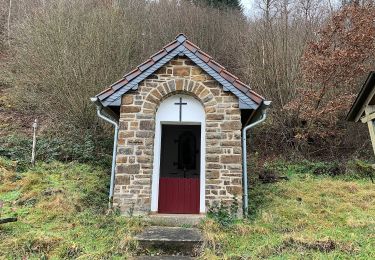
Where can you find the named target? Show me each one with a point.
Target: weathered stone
(212, 158)
(162, 70)
(156, 94)
(222, 192)
(149, 105)
(172, 85)
(126, 150)
(134, 125)
(126, 134)
(214, 166)
(127, 99)
(236, 181)
(144, 159)
(207, 98)
(231, 143)
(146, 125)
(210, 109)
(215, 117)
(122, 180)
(204, 93)
(152, 99)
(184, 240)
(199, 78)
(196, 71)
(231, 125)
(128, 169)
(213, 150)
(177, 62)
(181, 71)
(144, 134)
(135, 142)
(189, 62)
(130, 109)
(235, 190)
(121, 159)
(179, 84)
(199, 89)
(123, 125)
(212, 174)
(230, 159)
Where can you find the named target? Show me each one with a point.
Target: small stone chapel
(179, 120)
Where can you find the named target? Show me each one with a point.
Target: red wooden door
(179, 181)
(179, 195)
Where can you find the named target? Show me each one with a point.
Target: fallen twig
(7, 220)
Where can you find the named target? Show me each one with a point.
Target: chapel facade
(180, 117)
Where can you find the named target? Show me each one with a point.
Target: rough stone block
(230, 159)
(127, 99)
(179, 84)
(212, 174)
(122, 180)
(231, 125)
(234, 190)
(130, 109)
(146, 125)
(181, 71)
(215, 117)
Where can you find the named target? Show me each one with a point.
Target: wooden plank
(179, 195)
(370, 124)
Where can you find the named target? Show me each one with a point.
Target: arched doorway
(178, 181)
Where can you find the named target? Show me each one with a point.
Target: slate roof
(365, 97)
(248, 99)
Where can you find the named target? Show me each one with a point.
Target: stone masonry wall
(136, 136)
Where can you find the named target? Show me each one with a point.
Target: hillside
(61, 211)
(306, 217)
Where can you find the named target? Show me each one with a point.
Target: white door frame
(168, 113)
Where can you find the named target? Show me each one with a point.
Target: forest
(308, 57)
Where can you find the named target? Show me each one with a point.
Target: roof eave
(362, 99)
(247, 97)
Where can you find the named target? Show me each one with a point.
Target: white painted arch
(193, 113)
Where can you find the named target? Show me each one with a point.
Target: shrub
(48, 148)
(225, 215)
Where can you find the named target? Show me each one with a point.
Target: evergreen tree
(235, 4)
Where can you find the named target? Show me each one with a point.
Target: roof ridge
(182, 40)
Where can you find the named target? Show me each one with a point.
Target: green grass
(306, 217)
(61, 210)
(61, 214)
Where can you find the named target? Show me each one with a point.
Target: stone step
(175, 220)
(170, 240)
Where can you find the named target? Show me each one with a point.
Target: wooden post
(8, 22)
(370, 123)
(35, 124)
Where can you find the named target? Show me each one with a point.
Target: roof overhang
(364, 98)
(248, 99)
(107, 111)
